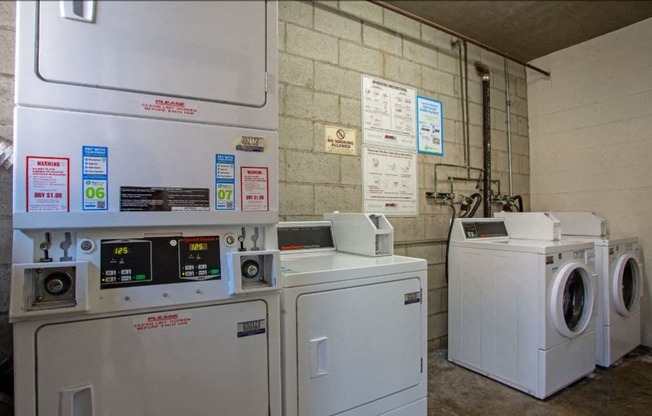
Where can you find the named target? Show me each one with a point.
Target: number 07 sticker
(224, 182)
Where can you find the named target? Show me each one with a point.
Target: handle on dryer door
(80, 10)
(318, 357)
(77, 401)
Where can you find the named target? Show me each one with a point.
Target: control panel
(106, 270)
(159, 260)
(484, 229)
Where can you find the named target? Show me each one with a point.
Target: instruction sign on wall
(390, 181)
(388, 114)
(430, 126)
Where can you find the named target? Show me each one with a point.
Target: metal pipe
(508, 107)
(6, 153)
(463, 97)
(468, 168)
(457, 35)
(466, 104)
(483, 71)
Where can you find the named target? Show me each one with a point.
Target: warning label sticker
(169, 106)
(48, 184)
(140, 198)
(249, 328)
(160, 321)
(254, 189)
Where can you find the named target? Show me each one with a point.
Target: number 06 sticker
(95, 178)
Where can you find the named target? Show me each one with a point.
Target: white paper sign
(390, 182)
(430, 125)
(255, 189)
(388, 114)
(48, 184)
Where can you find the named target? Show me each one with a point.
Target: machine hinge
(266, 78)
(422, 364)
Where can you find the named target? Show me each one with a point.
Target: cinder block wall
(7, 40)
(591, 133)
(324, 47)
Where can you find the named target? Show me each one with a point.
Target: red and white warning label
(161, 321)
(170, 106)
(255, 189)
(48, 184)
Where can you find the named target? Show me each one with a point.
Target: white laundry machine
(354, 328)
(520, 311)
(144, 281)
(620, 282)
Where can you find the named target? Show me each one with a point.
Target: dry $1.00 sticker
(48, 184)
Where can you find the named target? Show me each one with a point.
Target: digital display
(197, 246)
(120, 250)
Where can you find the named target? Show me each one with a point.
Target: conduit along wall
(483, 72)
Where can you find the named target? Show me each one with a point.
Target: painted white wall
(591, 136)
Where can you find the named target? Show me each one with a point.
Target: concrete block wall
(324, 47)
(591, 136)
(7, 40)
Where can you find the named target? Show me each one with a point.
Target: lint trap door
(357, 345)
(201, 361)
(199, 50)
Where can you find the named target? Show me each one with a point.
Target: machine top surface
(494, 234)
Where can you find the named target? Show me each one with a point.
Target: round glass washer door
(572, 299)
(626, 285)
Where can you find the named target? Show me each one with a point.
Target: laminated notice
(48, 184)
(254, 188)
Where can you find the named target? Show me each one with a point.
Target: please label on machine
(161, 321)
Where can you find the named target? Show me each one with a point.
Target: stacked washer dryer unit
(620, 282)
(145, 199)
(354, 323)
(521, 310)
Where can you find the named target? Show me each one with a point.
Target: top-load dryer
(354, 326)
(620, 282)
(520, 311)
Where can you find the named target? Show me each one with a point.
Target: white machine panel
(532, 225)
(148, 175)
(209, 62)
(582, 223)
(166, 363)
(352, 358)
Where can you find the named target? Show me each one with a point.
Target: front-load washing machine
(520, 311)
(620, 279)
(354, 328)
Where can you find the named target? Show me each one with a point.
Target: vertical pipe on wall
(483, 71)
(508, 108)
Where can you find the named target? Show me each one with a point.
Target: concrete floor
(623, 389)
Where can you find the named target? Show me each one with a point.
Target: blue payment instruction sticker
(224, 182)
(95, 178)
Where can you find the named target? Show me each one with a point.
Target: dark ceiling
(527, 30)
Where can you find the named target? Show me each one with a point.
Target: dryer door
(199, 361)
(357, 345)
(626, 285)
(209, 51)
(572, 299)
